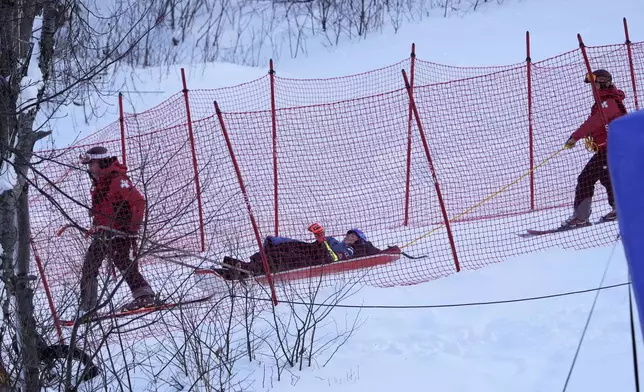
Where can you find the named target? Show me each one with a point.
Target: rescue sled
(338, 267)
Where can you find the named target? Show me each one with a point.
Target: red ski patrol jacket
(612, 106)
(116, 203)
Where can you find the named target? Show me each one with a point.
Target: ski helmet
(601, 76)
(94, 153)
(358, 232)
(98, 154)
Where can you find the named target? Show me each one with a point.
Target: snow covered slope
(526, 346)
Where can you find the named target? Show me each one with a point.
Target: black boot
(232, 269)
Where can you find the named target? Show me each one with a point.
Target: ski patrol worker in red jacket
(117, 213)
(594, 130)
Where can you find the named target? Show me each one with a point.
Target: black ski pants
(118, 250)
(595, 170)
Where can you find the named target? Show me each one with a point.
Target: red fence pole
(45, 285)
(409, 123)
(274, 125)
(419, 124)
(269, 276)
(589, 71)
(528, 61)
(194, 159)
(630, 64)
(123, 155)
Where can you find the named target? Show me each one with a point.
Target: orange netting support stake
(258, 238)
(630, 64)
(409, 135)
(274, 127)
(194, 159)
(433, 171)
(528, 61)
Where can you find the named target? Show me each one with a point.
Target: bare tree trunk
(16, 278)
(17, 140)
(5, 381)
(15, 238)
(24, 299)
(23, 292)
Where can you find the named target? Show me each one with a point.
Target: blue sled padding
(626, 166)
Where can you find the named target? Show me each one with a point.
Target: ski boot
(144, 301)
(233, 269)
(573, 222)
(610, 217)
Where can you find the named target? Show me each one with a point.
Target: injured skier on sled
(284, 253)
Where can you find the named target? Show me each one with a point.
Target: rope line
(456, 305)
(493, 195)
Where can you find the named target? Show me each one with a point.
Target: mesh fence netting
(346, 153)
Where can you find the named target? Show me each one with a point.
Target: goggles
(591, 77)
(86, 158)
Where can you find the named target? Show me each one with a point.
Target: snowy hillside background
(493, 35)
(526, 346)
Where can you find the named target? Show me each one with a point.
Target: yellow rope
(487, 198)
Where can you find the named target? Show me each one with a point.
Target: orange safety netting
(348, 152)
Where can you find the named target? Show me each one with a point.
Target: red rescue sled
(317, 271)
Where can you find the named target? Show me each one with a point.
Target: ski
(144, 310)
(602, 220)
(531, 232)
